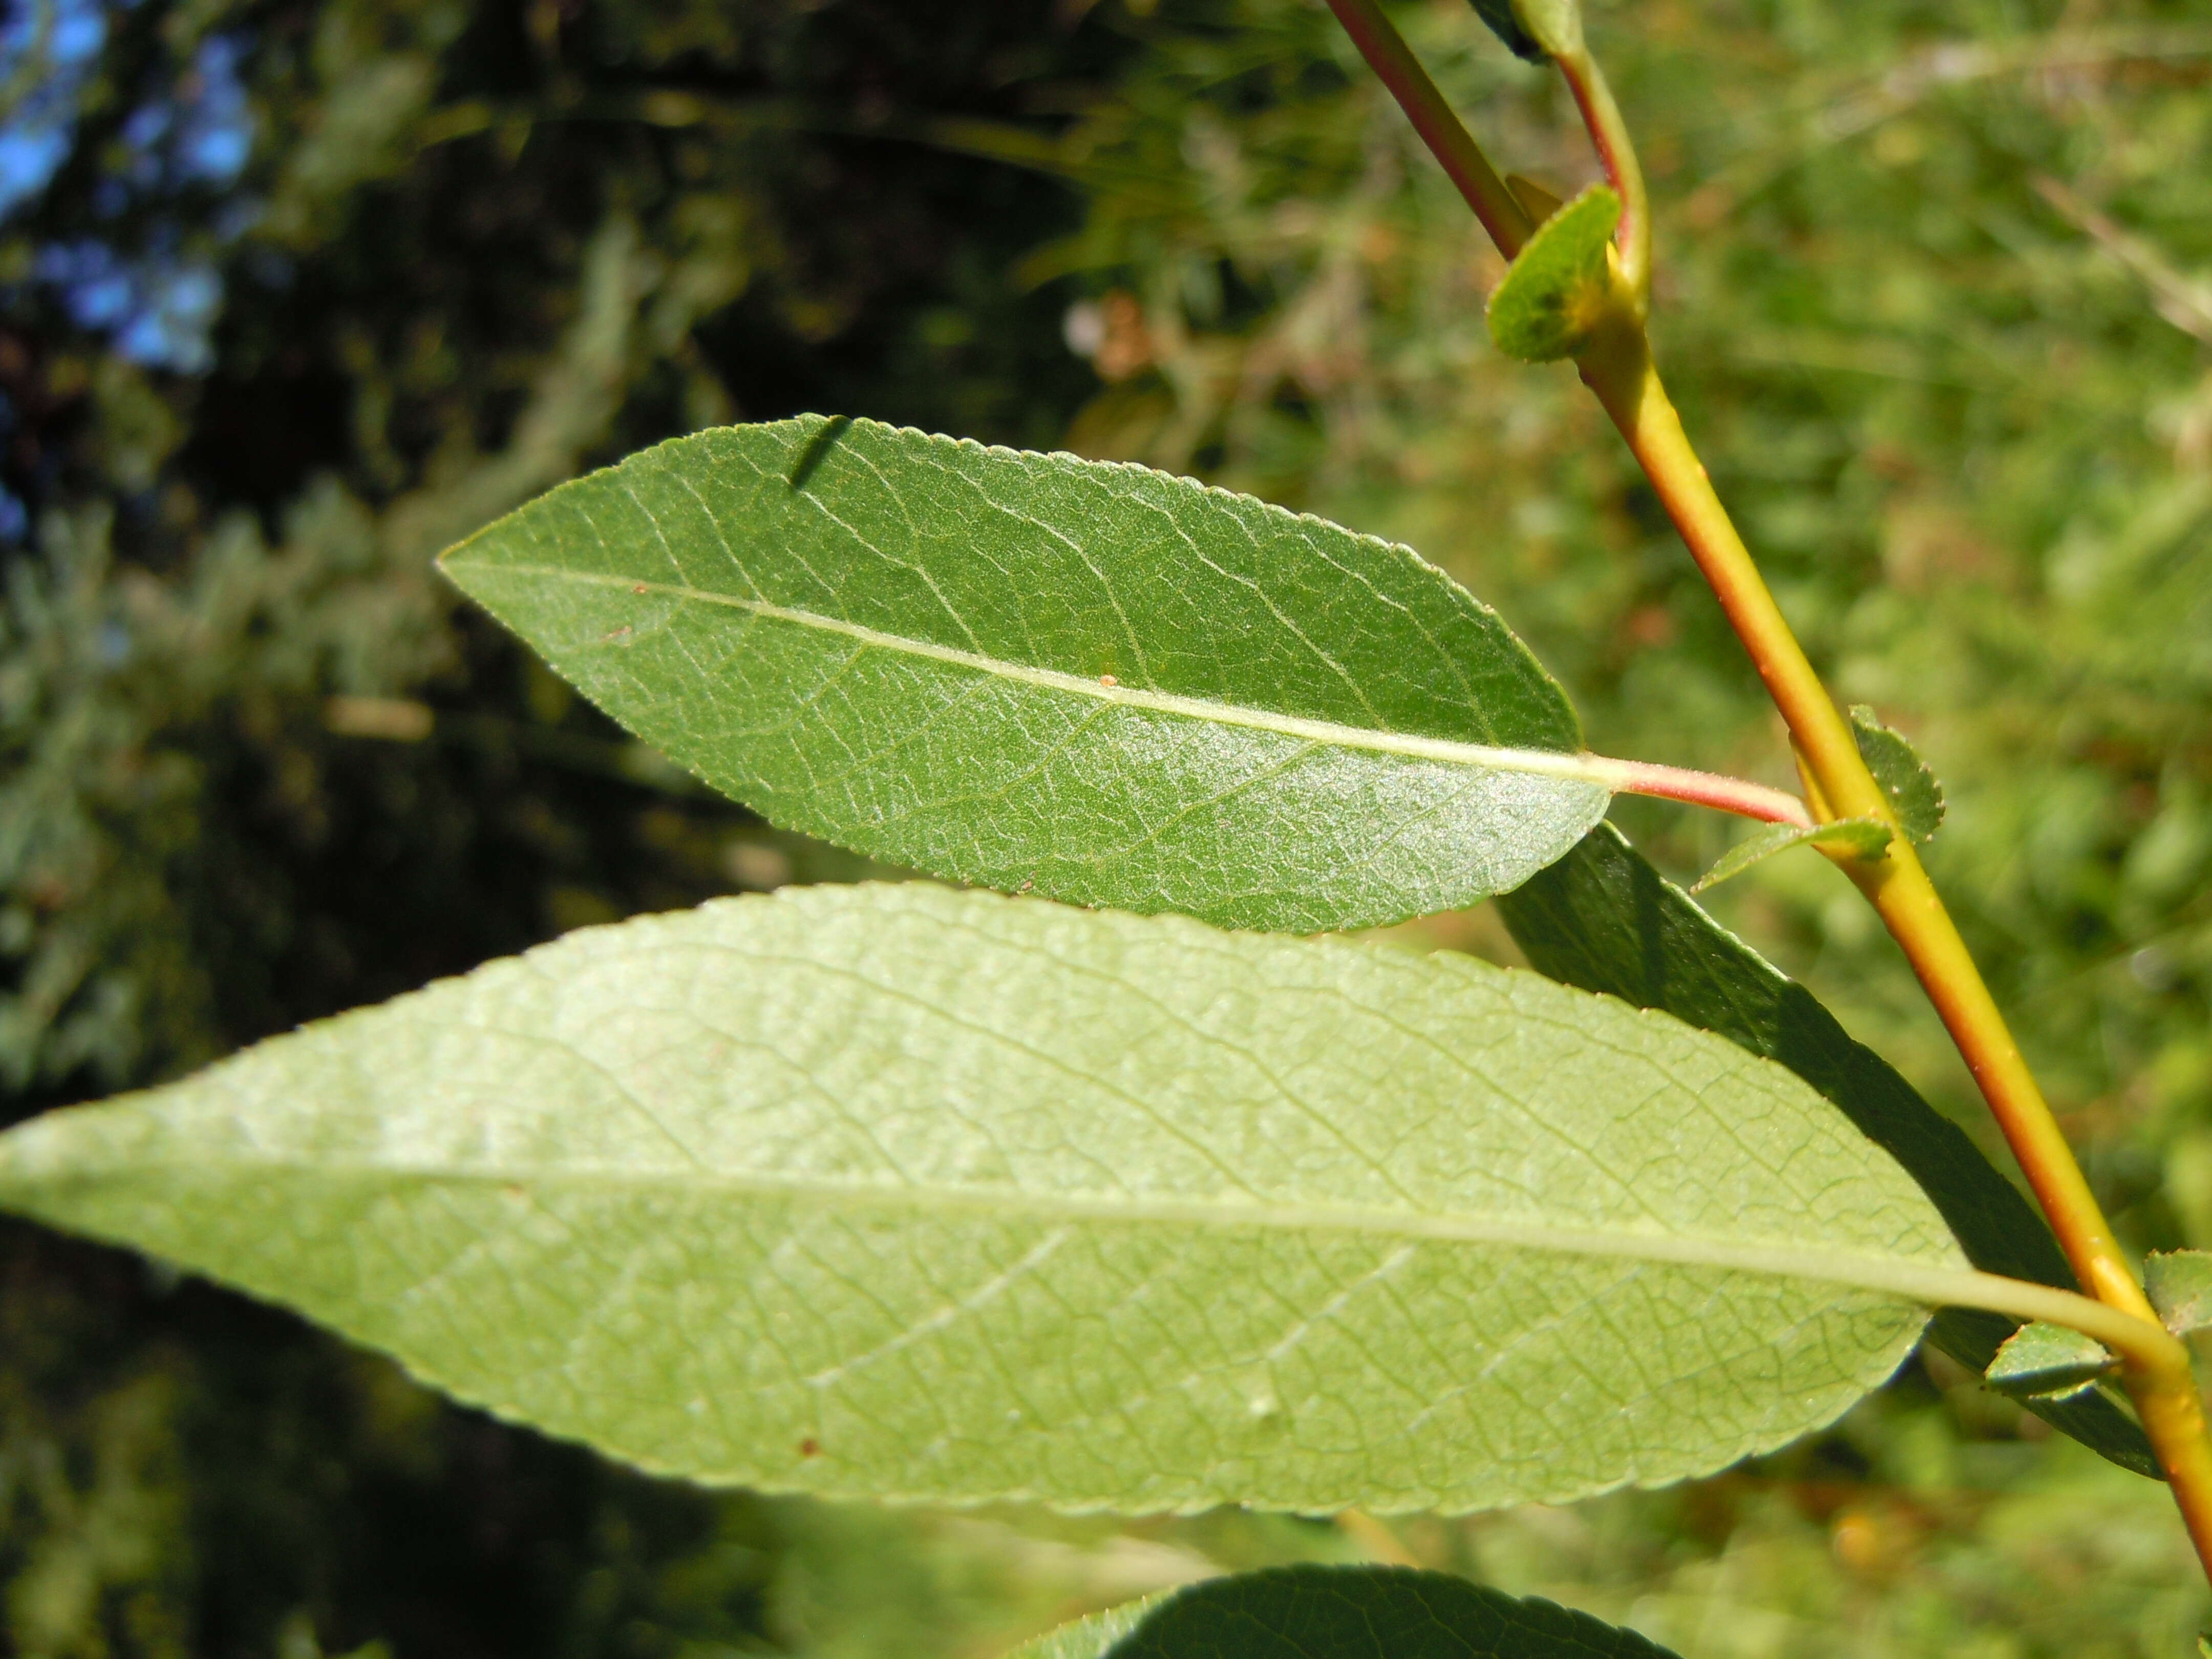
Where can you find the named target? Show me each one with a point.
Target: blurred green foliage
(498, 246)
(1935, 291)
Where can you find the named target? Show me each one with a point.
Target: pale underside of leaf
(900, 1193)
(1113, 686)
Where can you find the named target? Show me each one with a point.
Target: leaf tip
(2179, 1286)
(2042, 1361)
(1861, 838)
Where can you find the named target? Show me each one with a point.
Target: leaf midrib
(1900, 1276)
(1582, 767)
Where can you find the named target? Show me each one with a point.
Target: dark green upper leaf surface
(1367, 1613)
(1114, 685)
(1557, 287)
(1603, 919)
(1914, 795)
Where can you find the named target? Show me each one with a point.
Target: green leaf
(2045, 1361)
(1088, 1638)
(1365, 1613)
(1536, 30)
(1560, 284)
(1914, 794)
(1021, 671)
(1602, 918)
(901, 1193)
(1865, 837)
(2179, 1286)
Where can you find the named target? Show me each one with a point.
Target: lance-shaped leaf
(1602, 918)
(2179, 1286)
(2042, 1361)
(1559, 285)
(1864, 837)
(1363, 1612)
(904, 1193)
(1120, 687)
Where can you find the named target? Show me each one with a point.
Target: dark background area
(207, 849)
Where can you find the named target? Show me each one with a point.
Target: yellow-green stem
(1609, 134)
(1618, 368)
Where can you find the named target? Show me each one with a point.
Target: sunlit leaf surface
(894, 1191)
(1107, 683)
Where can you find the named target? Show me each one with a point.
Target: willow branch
(1441, 130)
(1617, 366)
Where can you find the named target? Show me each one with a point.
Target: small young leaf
(1095, 680)
(1602, 918)
(2044, 1361)
(1559, 283)
(1914, 794)
(900, 1193)
(2179, 1286)
(1864, 837)
(1366, 1613)
(1498, 14)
